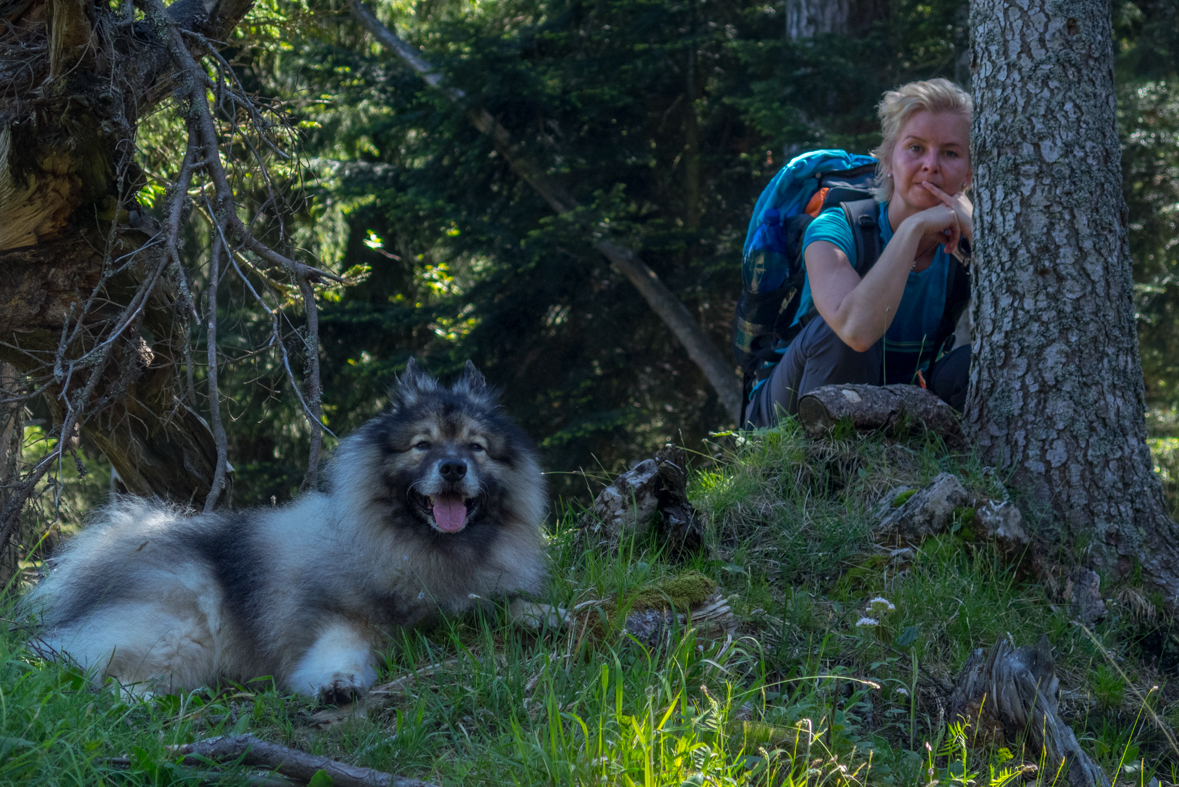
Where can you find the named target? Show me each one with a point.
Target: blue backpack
(772, 271)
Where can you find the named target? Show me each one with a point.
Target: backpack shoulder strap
(861, 215)
(957, 298)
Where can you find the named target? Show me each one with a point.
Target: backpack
(772, 269)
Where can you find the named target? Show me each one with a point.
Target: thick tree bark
(1056, 392)
(717, 368)
(12, 409)
(78, 75)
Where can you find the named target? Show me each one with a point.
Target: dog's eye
(476, 447)
(423, 446)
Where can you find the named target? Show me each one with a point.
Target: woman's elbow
(854, 332)
(857, 339)
(860, 345)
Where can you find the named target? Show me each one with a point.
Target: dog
(430, 508)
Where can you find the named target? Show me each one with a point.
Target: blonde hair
(899, 106)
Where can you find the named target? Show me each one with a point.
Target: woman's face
(935, 147)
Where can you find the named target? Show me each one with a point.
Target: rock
(1002, 523)
(928, 511)
(887, 503)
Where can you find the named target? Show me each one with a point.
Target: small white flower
(473, 596)
(421, 595)
(881, 604)
(903, 692)
(866, 622)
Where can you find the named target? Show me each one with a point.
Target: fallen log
(1008, 693)
(292, 763)
(886, 407)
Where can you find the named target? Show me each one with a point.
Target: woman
(888, 326)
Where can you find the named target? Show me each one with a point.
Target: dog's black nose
(453, 469)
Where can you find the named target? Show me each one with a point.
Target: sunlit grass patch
(837, 674)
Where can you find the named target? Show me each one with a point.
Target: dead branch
(225, 222)
(220, 471)
(292, 763)
(314, 410)
(701, 349)
(276, 338)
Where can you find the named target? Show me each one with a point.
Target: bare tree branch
(311, 372)
(220, 470)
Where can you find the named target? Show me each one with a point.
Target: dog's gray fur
(304, 593)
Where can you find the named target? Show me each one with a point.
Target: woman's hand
(960, 204)
(939, 224)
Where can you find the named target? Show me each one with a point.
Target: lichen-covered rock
(927, 512)
(894, 498)
(1002, 523)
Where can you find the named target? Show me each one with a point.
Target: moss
(903, 498)
(680, 593)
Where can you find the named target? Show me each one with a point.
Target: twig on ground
(292, 763)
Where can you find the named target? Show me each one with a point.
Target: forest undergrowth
(838, 672)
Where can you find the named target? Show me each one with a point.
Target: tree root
(1007, 693)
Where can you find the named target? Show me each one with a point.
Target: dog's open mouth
(450, 512)
(446, 511)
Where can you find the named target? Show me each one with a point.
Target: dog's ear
(472, 378)
(411, 386)
(473, 384)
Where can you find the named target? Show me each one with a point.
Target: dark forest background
(665, 118)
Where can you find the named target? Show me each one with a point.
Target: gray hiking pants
(818, 357)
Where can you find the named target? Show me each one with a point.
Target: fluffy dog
(429, 507)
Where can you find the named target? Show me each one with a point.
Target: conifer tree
(1056, 395)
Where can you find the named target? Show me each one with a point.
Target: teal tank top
(911, 341)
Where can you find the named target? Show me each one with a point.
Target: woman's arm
(860, 310)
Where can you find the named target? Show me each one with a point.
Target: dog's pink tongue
(450, 513)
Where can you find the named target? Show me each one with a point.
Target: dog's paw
(342, 688)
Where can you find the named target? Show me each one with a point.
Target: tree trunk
(73, 244)
(809, 18)
(12, 409)
(1056, 393)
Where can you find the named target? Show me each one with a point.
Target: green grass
(805, 693)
